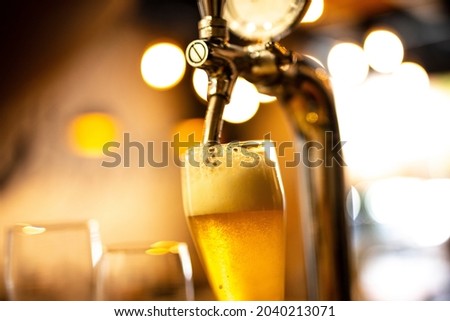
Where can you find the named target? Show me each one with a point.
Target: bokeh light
(384, 50)
(407, 93)
(89, 132)
(387, 201)
(347, 64)
(412, 77)
(163, 65)
(200, 83)
(415, 209)
(244, 102)
(402, 275)
(314, 12)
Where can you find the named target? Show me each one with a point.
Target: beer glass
(161, 271)
(234, 202)
(54, 261)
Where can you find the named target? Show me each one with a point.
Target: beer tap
(213, 53)
(302, 87)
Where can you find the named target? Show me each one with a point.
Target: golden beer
(235, 209)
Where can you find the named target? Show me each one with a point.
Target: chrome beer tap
(302, 87)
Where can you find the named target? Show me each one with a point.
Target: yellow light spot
(163, 247)
(89, 132)
(314, 12)
(312, 117)
(33, 230)
(163, 65)
(384, 50)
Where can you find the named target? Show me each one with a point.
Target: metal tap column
(222, 75)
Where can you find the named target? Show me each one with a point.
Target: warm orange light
(89, 132)
(314, 12)
(186, 134)
(163, 247)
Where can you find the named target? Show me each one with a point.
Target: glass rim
(88, 224)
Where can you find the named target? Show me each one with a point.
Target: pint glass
(234, 203)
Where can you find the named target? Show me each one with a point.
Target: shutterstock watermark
(130, 153)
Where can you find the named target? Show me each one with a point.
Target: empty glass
(134, 272)
(52, 261)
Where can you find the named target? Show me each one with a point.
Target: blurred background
(78, 74)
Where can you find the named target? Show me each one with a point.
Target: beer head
(230, 178)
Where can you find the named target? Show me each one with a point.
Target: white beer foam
(231, 186)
